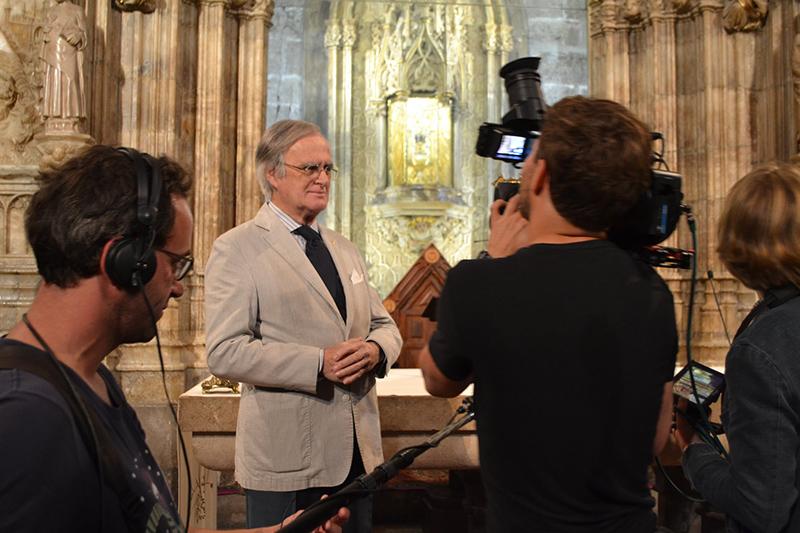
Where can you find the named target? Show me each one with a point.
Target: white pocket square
(356, 277)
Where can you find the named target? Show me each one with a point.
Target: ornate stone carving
(64, 39)
(333, 36)
(412, 51)
(634, 11)
(255, 9)
(18, 118)
(395, 242)
(145, 6)
(682, 6)
(608, 15)
(745, 15)
(506, 38)
(349, 34)
(491, 44)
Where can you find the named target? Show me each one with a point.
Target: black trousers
(268, 508)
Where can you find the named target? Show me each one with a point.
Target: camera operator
(570, 341)
(757, 485)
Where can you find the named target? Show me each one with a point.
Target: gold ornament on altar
(215, 385)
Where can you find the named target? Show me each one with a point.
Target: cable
(171, 409)
(674, 486)
(719, 307)
(707, 436)
(79, 400)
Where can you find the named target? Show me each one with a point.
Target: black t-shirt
(570, 347)
(49, 479)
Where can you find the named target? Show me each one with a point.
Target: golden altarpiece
(409, 83)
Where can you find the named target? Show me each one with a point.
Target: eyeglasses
(313, 171)
(181, 264)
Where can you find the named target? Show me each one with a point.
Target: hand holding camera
(508, 228)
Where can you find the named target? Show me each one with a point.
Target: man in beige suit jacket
(307, 342)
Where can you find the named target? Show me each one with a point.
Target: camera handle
(366, 484)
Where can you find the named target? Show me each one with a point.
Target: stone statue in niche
(745, 15)
(63, 102)
(18, 116)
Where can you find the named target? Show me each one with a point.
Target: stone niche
(408, 85)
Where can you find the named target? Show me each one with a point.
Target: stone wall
(716, 78)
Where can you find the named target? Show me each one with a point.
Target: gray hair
(274, 144)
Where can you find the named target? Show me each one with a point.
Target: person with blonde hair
(759, 243)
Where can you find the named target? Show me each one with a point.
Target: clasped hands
(349, 360)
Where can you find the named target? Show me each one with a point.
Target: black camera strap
(92, 430)
(772, 299)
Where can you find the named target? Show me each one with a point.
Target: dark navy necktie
(320, 257)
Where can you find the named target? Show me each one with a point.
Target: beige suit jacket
(268, 313)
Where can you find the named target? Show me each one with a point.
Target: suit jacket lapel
(278, 237)
(344, 275)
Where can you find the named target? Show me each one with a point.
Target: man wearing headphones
(569, 340)
(111, 231)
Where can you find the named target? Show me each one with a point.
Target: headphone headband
(131, 261)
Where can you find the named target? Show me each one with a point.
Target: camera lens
(523, 85)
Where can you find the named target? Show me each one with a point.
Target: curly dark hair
(87, 201)
(598, 156)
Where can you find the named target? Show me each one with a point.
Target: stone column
(609, 68)
(345, 152)
(104, 84)
(254, 23)
(333, 41)
(215, 136)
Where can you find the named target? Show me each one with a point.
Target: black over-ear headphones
(131, 260)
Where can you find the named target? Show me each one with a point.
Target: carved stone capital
(212, 3)
(682, 6)
(663, 9)
(492, 43)
(710, 5)
(506, 38)
(349, 33)
(254, 9)
(635, 12)
(333, 36)
(145, 6)
(745, 15)
(608, 16)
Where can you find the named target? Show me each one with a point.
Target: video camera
(649, 222)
